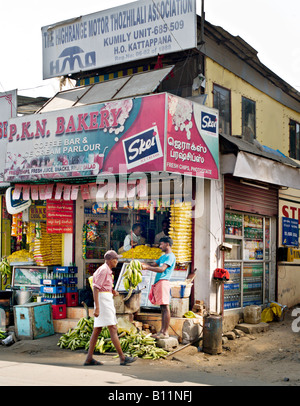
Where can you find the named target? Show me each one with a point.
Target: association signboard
(154, 133)
(134, 31)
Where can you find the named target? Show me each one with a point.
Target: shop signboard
(8, 109)
(192, 139)
(60, 215)
(154, 133)
(289, 220)
(133, 31)
(290, 232)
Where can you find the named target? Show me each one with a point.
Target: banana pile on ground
(2, 335)
(5, 267)
(137, 344)
(132, 276)
(181, 231)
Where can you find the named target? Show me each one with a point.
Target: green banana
(5, 268)
(132, 276)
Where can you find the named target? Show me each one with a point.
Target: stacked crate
(60, 289)
(54, 291)
(70, 282)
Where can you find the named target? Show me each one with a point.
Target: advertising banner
(154, 133)
(192, 139)
(124, 135)
(8, 109)
(134, 31)
(60, 216)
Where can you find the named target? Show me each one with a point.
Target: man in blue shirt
(160, 290)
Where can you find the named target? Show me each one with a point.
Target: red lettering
(115, 113)
(40, 129)
(293, 211)
(285, 211)
(25, 131)
(3, 129)
(71, 126)
(93, 122)
(81, 122)
(60, 126)
(12, 132)
(104, 119)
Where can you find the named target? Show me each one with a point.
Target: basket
(181, 290)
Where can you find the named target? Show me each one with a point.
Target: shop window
(294, 140)
(222, 102)
(248, 119)
(248, 262)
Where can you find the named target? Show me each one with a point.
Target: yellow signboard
(293, 255)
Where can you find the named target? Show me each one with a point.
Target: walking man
(160, 290)
(104, 309)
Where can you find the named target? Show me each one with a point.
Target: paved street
(111, 374)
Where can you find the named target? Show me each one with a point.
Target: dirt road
(268, 358)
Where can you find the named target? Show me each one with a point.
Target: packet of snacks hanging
(17, 226)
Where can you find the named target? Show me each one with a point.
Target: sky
(271, 27)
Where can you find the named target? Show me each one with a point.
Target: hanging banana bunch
(5, 267)
(132, 277)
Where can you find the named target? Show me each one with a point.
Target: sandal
(93, 362)
(128, 360)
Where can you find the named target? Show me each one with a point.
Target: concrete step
(253, 328)
(73, 315)
(78, 312)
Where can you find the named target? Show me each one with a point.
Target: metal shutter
(241, 197)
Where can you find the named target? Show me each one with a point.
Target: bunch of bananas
(2, 335)
(21, 256)
(5, 267)
(132, 276)
(143, 251)
(137, 344)
(181, 231)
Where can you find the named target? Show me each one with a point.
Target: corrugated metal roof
(135, 85)
(233, 144)
(29, 105)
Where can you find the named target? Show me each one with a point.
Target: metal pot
(23, 296)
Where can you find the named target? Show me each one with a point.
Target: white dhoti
(107, 311)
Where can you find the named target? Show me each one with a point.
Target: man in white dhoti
(104, 309)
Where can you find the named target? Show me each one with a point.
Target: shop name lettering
(96, 120)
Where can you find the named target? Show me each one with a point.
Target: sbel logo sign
(142, 148)
(72, 58)
(209, 122)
